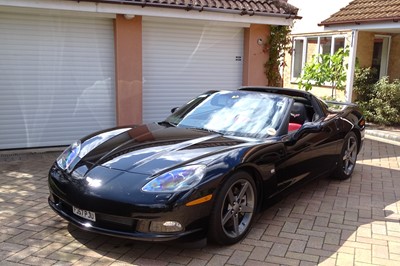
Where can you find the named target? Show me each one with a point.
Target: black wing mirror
(308, 127)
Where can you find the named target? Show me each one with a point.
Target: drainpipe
(351, 66)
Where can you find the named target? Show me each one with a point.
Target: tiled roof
(242, 7)
(362, 11)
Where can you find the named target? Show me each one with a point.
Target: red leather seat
(293, 126)
(298, 116)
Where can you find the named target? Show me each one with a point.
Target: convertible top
(284, 91)
(316, 107)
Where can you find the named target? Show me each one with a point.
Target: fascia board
(364, 26)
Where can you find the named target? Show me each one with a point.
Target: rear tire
(234, 209)
(348, 157)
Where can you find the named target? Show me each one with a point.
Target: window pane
(312, 48)
(326, 44)
(298, 58)
(339, 43)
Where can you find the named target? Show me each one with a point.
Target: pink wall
(128, 65)
(255, 55)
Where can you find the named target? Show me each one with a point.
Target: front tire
(234, 209)
(348, 157)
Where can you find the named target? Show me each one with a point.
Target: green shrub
(364, 81)
(326, 69)
(380, 101)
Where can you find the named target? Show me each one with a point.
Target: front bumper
(127, 214)
(118, 226)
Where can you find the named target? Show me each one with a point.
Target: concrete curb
(383, 134)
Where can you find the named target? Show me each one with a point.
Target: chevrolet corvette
(208, 168)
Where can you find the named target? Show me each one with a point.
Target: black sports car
(207, 168)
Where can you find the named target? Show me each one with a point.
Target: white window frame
(303, 54)
(305, 47)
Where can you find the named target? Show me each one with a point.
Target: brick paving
(326, 222)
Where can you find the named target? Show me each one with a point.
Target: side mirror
(308, 127)
(173, 110)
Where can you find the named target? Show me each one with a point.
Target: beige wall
(365, 48)
(287, 72)
(255, 55)
(365, 52)
(394, 55)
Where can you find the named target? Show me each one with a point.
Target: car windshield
(237, 113)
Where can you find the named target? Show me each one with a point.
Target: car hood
(153, 148)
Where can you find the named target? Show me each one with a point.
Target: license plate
(84, 214)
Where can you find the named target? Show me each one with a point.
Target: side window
(298, 59)
(338, 43)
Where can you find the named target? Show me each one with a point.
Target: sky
(313, 12)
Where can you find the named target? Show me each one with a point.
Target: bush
(326, 69)
(364, 81)
(380, 101)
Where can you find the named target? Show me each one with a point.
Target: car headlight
(179, 179)
(69, 155)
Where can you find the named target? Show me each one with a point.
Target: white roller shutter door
(183, 59)
(56, 79)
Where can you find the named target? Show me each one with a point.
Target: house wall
(394, 62)
(365, 48)
(287, 70)
(255, 55)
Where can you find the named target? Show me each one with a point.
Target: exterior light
(165, 226)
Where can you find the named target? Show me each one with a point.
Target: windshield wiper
(206, 129)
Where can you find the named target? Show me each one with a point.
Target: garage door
(56, 79)
(182, 60)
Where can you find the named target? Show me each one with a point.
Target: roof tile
(361, 11)
(251, 7)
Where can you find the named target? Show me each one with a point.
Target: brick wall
(394, 55)
(365, 48)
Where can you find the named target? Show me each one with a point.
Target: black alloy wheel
(234, 209)
(348, 157)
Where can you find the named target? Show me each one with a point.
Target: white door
(56, 79)
(182, 59)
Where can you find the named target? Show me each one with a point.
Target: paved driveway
(326, 222)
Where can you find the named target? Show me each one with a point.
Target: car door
(310, 152)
